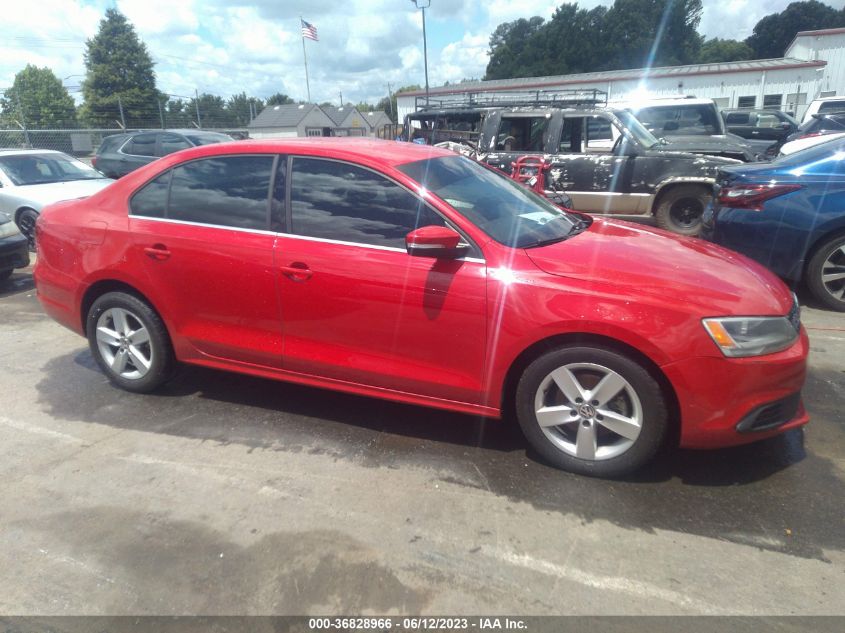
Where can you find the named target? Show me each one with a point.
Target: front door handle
(158, 252)
(297, 271)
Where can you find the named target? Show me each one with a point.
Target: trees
(119, 72)
(774, 32)
(278, 99)
(718, 50)
(580, 40)
(38, 99)
(241, 109)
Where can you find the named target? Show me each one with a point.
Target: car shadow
(20, 281)
(754, 494)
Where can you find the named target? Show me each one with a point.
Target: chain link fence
(79, 142)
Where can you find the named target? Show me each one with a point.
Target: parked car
(817, 125)
(692, 125)
(788, 215)
(14, 251)
(633, 174)
(31, 179)
(766, 127)
(415, 274)
(807, 141)
(824, 105)
(120, 154)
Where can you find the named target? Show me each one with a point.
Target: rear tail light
(94, 162)
(752, 196)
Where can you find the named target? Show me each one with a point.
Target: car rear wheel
(681, 208)
(26, 223)
(591, 410)
(826, 274)
(130, 342)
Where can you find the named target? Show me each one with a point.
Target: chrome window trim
(291, 236)
(131, 138)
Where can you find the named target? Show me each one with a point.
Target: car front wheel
(130, 342)
(591, 410)
(26, 224)
(826, 274)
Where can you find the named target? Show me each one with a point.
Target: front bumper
(717, 396)
(14, 252)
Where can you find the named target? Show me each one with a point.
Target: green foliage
(773, 33)
(119, 68)
(718, 50)
(37, 99)
(278, 99)
(241, 109)
(578, 40)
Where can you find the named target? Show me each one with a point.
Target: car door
(356, 306)
(740, 123)
(201, 233)
(594, 173)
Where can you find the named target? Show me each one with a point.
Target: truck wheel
(681, 208)
(826, 273)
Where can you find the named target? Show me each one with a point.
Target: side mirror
(785, 125)
(436, 241)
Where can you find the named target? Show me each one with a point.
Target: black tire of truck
(680, 209)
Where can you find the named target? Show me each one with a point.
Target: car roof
(839, 98)
(24, 152)
(364, 150)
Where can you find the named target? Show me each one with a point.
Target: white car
(30, 179)
(807, 141)
(824, 104)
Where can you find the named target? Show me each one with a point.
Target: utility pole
(122, 118)
(423, 5)
(197, 104)
(160, 113)
(389, 102)
(341, 99)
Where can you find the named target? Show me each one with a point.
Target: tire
(681, 208)
(129, 342)
(26, 223)
(631, 401)
(5, 274)
(827, 263)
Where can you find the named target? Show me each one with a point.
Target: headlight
(751, 336)
(8, 228)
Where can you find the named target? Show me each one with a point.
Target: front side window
(504, 210)
(338, 201)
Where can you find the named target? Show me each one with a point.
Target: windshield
(507, 212)
(643, 136)
(673, 120)
(208, 138)
(39, 169)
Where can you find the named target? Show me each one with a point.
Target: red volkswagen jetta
(411, 273)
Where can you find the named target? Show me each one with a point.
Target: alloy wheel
(588, 411)
(833, 274)
(124, 343)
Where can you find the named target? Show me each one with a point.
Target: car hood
(714, 142)
(47, 193)
(662, 267)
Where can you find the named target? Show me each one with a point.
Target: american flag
(309, 30)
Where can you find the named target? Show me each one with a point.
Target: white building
(813, 66)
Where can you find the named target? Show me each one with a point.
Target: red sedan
(410, 273)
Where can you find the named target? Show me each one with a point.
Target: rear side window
(521, 134)
(225, 191)
(141, 145)
(111, 143)
(151, 200)
(339, 201)
(831, 106)
(737, 118)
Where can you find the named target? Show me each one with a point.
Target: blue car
(789, 215)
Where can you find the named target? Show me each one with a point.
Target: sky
(225, 47)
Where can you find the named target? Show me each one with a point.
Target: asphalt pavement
(226, 494)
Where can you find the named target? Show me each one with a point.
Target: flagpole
(305, 59)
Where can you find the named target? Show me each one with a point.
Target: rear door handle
(158, 252)
(297, 271)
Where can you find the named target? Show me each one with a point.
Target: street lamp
(423, 5)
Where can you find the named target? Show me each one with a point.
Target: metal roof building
(814, 66)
